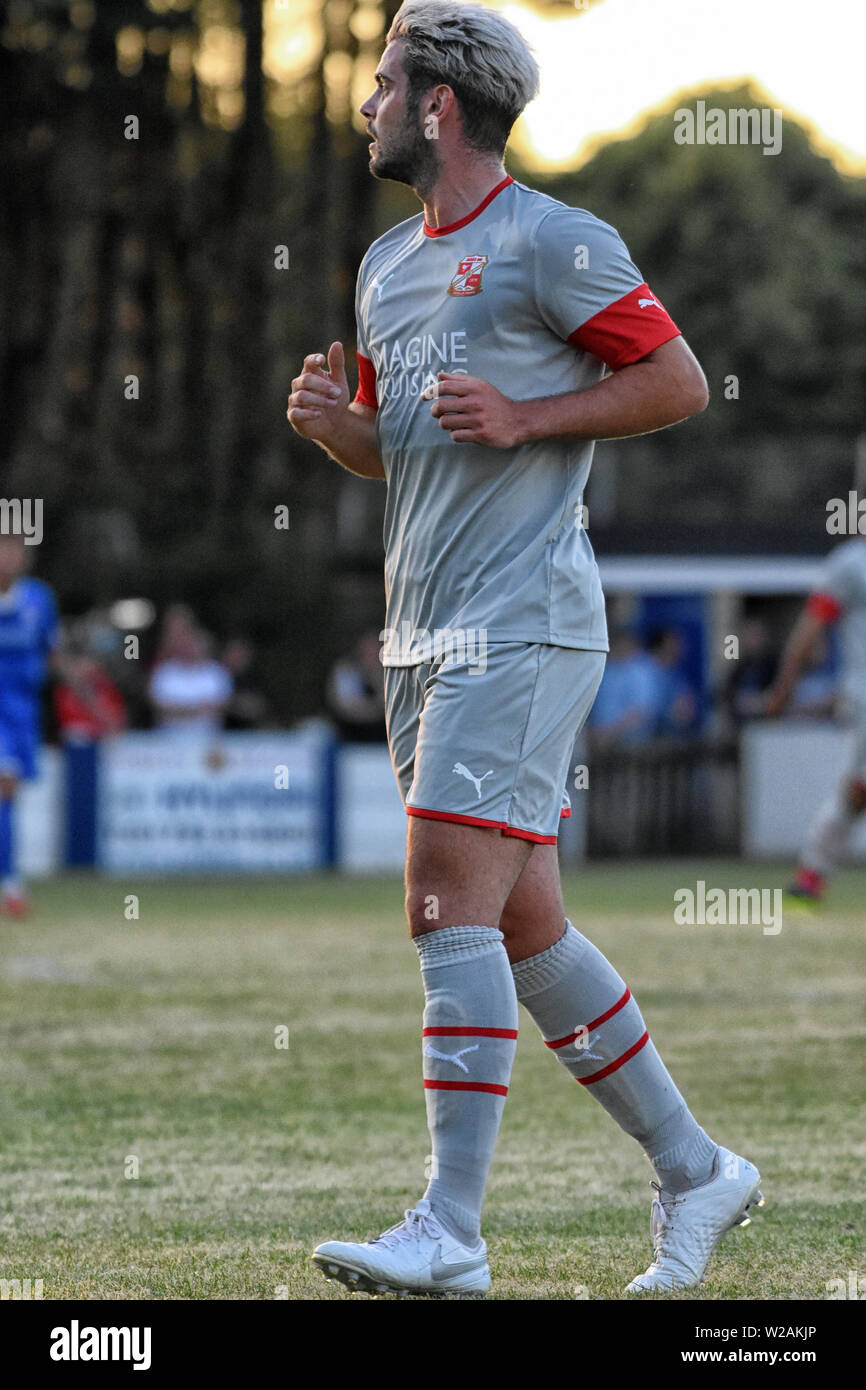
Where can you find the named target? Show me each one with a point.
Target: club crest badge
(468, 277)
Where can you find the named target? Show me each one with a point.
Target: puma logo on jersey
(467, 280)
(470, 776)
(642, 303)
(451, 1056)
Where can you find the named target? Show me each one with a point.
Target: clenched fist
(318, 395)
(474, 411)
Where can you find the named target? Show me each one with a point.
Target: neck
(460, 186)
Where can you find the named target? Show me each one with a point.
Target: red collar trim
(470, 217)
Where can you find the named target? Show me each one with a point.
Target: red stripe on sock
(596, 1022)
(469, 1033)
(466, 1086)
(614, 1066)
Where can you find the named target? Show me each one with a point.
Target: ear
(441, 102)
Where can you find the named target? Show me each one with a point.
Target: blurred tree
(762, 263)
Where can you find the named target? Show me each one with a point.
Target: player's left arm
(660, 389)
(589, 293)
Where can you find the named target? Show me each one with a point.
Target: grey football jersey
(534, 297)
(844, 584)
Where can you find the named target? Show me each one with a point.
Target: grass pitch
(149, 1047)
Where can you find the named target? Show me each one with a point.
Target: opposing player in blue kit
(28, 633)
(486, 326)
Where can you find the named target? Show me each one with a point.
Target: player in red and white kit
(485, 325)
(841, 597)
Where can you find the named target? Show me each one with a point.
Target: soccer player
(840, 597)
(28, 634)
(484, 327)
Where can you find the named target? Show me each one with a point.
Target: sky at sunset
(607, 68)
(604, 69)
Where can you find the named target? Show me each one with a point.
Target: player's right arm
(320, 409)
(826, 605)
(798, 649)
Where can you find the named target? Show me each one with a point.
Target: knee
(423, 911)
(511, 923)
(857, 797)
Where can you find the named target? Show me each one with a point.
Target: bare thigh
(534, 915)
(459, 875)
(855, 793)
(8, 786)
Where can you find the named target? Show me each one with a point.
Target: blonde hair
(475, 51)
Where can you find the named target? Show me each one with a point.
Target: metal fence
(664, 798)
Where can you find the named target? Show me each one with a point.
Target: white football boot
(687, 1228)
(416, 1256)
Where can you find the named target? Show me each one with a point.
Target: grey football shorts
(492, 746)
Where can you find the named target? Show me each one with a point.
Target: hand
(774, 702)
(317, 396)
(473, 411)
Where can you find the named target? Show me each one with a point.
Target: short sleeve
(590, 293)
(836, 589)
(366, 392)
(162, 685)
(221, 682)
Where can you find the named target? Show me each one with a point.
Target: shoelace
(414, 1225)
(661, 1221)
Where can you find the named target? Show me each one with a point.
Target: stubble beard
(411, 158)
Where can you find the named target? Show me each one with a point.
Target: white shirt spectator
(189, 696)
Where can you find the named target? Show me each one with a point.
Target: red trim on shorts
(470, 217)
(466, 1086)
(596, 1022)
(485, 824)
(824, 607)
(469, 1033)
(614, 1066)
(529, 835)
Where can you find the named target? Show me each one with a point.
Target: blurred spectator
(742, 694)
(177, 624)
(87, 703)
(188, 688)
(674, 703)
(624, 706)
(355, 693)
(248, 707)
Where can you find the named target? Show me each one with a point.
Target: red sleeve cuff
(824, 607)
(366, 392)
(626, 330)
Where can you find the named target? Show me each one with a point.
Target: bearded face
(401, 150)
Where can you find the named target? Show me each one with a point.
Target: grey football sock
(470, 1034)
(590, 1021)
(829, 839)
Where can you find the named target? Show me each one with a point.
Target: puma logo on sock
(451, 1057)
